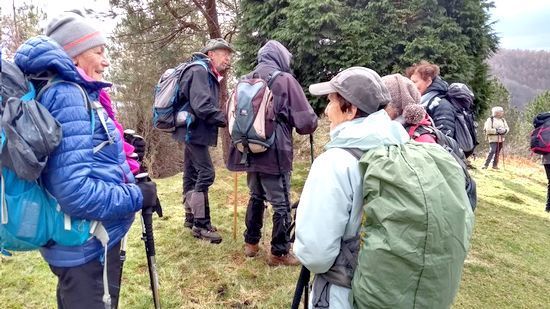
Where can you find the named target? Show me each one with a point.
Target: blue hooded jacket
(86, 185)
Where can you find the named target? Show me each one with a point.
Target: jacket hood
(438, 85)
(366, 133)
(274, 55)
(42, 55)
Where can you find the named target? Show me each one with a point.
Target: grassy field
(508, 265)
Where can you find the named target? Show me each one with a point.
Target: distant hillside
(524, 73)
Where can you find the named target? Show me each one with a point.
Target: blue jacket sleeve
(83, 186)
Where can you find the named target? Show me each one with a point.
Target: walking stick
(235, 207)
(503, 157)
(148, 239)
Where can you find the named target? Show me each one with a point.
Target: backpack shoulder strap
(271, 77)
(422, 129)
(439, 137)
(91, 106)
(356, 152)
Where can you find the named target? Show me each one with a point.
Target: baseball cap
(360, 86)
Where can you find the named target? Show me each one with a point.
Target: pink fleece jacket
(105, 101)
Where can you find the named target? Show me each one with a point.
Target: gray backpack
(165, 116)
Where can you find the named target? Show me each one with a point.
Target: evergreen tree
(540, 104)
(327, 36)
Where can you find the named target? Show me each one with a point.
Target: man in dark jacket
(199, 88)
(433, 89)
(268, 173)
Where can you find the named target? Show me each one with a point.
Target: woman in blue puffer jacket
(87, 185)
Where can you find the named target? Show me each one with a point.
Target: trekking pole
(497, 151)
(123, 246)
(503, 156)
(235, 207)
(311, 147)
(148, 239)
(301, 286)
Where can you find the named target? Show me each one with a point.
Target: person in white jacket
(329, 213)
(495, 128)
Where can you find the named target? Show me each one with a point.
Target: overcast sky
(521, 24)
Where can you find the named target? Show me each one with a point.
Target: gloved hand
(501, 130)
(137, 141)
(218, 120)
(149, 192)
(148, 189)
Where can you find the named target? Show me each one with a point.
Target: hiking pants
(494, 153)
(547, 169)
(266, 187)
(198, 176)
(82, 286)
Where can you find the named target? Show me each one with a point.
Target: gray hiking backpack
(30, 217)
(251, 118)
(165, 116)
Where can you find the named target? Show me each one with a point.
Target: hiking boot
(208, 234)
(251, 250)
(495, 167)
(284, 260)
(547, 209)
(484, 167)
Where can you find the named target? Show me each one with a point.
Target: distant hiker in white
(495, 128)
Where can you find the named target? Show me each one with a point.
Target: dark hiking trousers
(547, 169)
(82, 286)
(198, 176)
(266, 187)
(494, 153)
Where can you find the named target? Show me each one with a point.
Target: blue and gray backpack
(251, 116)
(30, 217)
(166, 115)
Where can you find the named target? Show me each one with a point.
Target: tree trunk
(210, 12)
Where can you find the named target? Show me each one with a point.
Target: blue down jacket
(86, 185)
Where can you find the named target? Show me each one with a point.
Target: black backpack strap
(421, 130)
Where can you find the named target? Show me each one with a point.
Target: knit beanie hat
(402, 90)
(74, 33)
(414, 113)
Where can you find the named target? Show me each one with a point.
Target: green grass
(508, 265)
